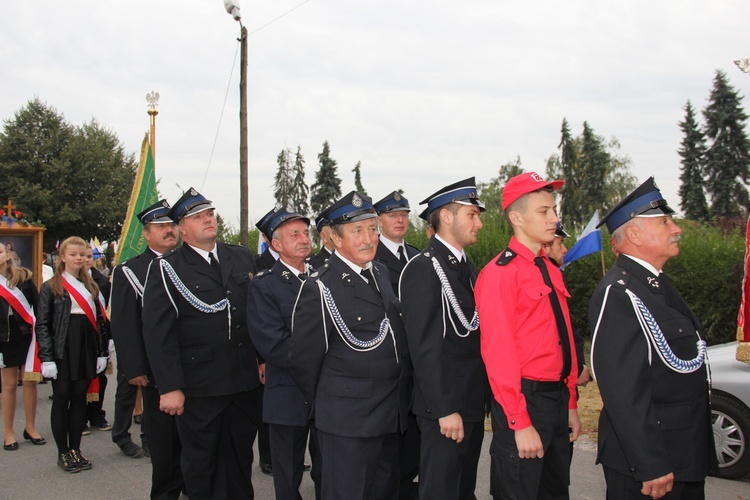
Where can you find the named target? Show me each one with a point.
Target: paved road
(31, 472)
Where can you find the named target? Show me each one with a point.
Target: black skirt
(15, 350)
(79, 361)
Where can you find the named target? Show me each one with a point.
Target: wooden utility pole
(244, 223)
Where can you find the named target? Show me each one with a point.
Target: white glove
(2, 362)
(111, 346)
(101, 364)
(49, 369)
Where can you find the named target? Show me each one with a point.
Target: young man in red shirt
(526, 343)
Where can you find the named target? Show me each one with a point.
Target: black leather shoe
(132, 450)
(138, 419)
(266, 469)
(38, 441)
(83, 462)
(67, 463)
(11, 446)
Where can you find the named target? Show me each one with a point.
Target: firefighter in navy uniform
(648, 357)
(133, 369)
(393, 252)
(195, 330)
(323, 225)
(437, 295)
(348, 355)
(270, 301)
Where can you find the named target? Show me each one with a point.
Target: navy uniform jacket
(270, 302)
(199, 352)
(317, 260)
(448, 370)
(265, 260)
(354, 394)
(125, 316)
(654, 420)
(393, 263)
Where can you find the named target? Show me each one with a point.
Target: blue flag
(589, 241)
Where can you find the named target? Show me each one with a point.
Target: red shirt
(519, 337)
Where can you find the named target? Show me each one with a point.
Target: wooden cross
(9, 208)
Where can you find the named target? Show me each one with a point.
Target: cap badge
(289, 208)
(356, 200)
(193, 192)
(536, 177)
(397, 196)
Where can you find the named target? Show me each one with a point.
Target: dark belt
(540, 385)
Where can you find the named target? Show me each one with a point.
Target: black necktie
(401, 255)
(302, 276)
(367, 274)
(562, 328)
(463, 273)
(214, 263)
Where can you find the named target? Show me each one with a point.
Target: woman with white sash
(72, 346)
(18, 348)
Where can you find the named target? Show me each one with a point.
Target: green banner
(144, 195)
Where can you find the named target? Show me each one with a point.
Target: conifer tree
(300, 190)
(692, 150)
(284, 180)
(358, 179)
(727, 165)
(327, 187)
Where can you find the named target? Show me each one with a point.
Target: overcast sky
(423, 93)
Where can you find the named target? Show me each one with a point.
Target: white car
(730, 410)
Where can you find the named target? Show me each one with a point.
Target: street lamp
(233, 8)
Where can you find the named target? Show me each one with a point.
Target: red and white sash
(21, 308)
(81, 295)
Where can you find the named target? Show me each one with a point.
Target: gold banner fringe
(743, 352)
(92, 398)
(33, 377)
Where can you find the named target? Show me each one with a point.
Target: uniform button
(512, 422)
(428, 411)
(633, 469)
(229, 292)
(234, 308)
(239, 344)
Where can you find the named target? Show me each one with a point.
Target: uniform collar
(645, 264)
(459, 254)
(204, 253)
(391, 245)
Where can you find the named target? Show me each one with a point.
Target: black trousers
(532, 478)
(622, 487)
(164, 446)
(288, 443)
(409, 460)
(359, 468)
(448, 470)
(125, 396)
(217, 435)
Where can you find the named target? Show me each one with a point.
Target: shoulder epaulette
(320, 271)
(260, 274)
(621, 279)
(505, 257)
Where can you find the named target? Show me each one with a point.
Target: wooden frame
(27, 243)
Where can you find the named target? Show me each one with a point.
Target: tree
(358, 179)
(727, 165)
(596, 176)
(692, 150)
(299, 186)
(75, 180)
(284, 181)
(327, 187)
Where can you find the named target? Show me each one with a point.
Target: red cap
(526, 183)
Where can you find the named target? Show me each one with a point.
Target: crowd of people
(378, 359)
